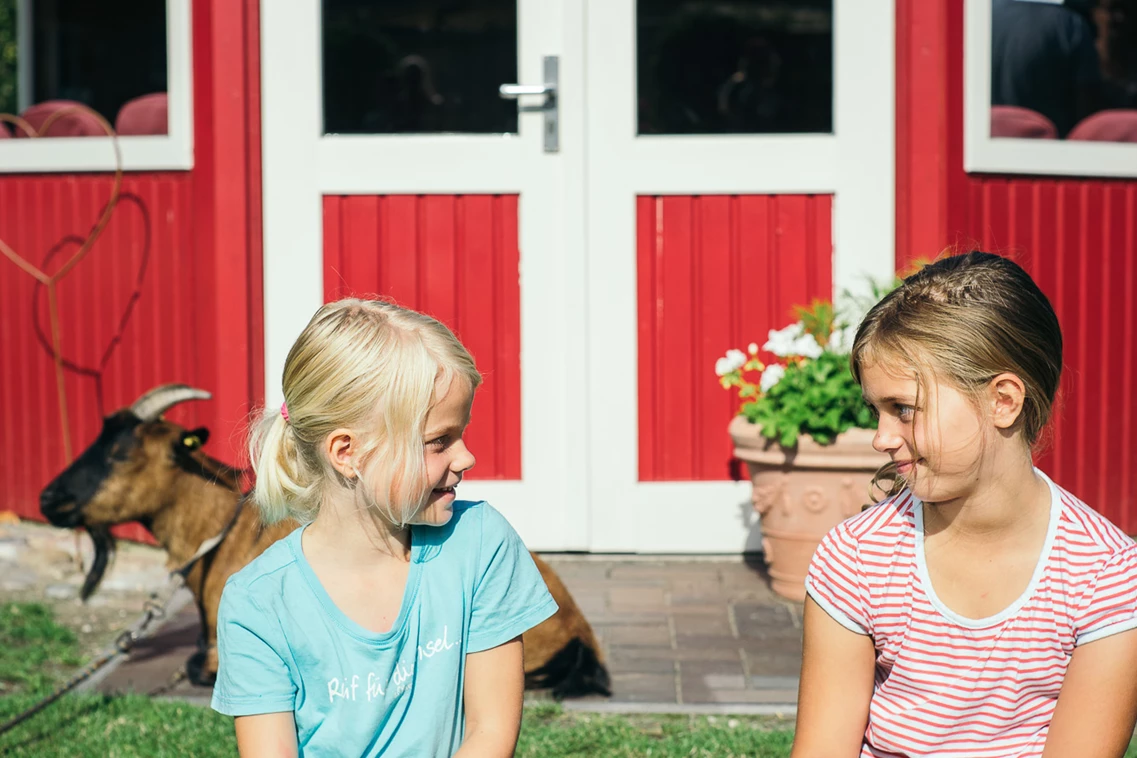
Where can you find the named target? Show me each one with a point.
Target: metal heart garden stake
(50, 280)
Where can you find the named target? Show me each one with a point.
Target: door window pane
(8, 57)
(108, 56)
(734, 67)
(1064, 71)
(414, 66)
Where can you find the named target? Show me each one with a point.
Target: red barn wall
(455, 257)
(184, 246)
(1075, 236)
(713, 273)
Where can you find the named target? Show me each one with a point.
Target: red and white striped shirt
(947, 685)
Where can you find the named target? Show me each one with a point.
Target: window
(735, 67)
(1052, 87)
(126, 60)
(419, 66)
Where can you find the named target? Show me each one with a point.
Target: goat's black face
(62, 501)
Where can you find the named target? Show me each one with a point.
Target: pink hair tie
(284, 411)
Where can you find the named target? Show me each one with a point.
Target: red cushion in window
(76, 122)
(1107, 126)
(144, 115)
(1023, 123)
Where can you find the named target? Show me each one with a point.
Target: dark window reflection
(102, 55)
(742, 67)
(405, 66)
(1064, 71)
(8, 56)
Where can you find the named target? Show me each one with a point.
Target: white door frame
(855, 164)
(300, 166)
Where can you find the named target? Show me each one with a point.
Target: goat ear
(194, 438)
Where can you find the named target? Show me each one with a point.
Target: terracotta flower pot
(803, 492)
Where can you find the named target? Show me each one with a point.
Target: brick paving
(679, 634)
(688, 633)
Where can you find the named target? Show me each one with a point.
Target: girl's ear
(340, 446)
(1007, 394)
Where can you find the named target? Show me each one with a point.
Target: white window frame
(172, 151)
(1005, 155)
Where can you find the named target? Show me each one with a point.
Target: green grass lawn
(36, 653)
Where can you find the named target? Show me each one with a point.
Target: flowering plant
(809, 389)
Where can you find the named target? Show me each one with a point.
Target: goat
(146, 469)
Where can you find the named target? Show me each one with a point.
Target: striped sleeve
(1110, 604)
(836, 580)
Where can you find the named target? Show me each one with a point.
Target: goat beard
(104, 551)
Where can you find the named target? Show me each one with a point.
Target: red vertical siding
(1075, 236)
(126, 315)
(714, 272)
(185, 244)
(1077, 239)
(251, 169)
(931, 185)
(455, 257)
(226, 210)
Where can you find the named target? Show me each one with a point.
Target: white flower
(841, 341)
(806, 346)
(771, 376)
(732, 361)
(781, 341)
(753, 348)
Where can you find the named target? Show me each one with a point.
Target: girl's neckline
(1021, 600)
(340, 618)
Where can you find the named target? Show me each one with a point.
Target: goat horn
(160, 399)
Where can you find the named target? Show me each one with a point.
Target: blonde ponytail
(286, 487)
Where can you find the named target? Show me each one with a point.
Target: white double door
(576, 224)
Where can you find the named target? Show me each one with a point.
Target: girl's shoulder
(1087, 532)
(475, 519)
(873, 547)
(885, 520)
(273, 565)
(473, 525)
(875, 540)
(468, 512)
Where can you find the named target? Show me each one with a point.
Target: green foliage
(817, 397)
(98, 726)
(34, 650)
(819, 319)
(37, 653)
(134, 726)
(549, 732)
(809, 389)
(7, 56)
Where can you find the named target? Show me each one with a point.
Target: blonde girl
(982, 610)
(390, 623)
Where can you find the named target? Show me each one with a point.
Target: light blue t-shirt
(285, 646)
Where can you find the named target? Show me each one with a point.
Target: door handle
(549, 107)
(514, 91)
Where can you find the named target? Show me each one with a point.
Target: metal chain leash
(155, 608)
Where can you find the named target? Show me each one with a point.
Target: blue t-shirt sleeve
(510, 597)
(252, 676)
